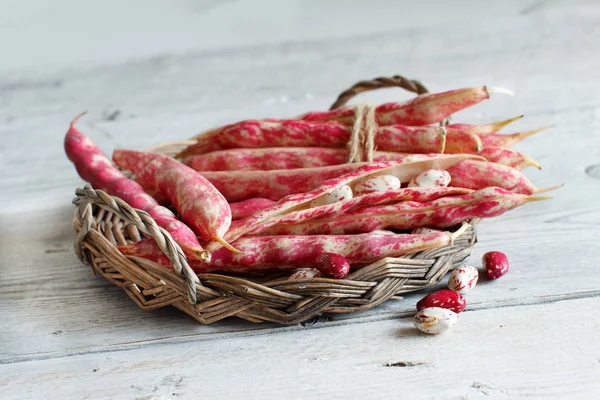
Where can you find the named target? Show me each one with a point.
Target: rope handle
(383, 82)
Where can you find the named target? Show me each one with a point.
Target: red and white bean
(463, 279)
(435, 320)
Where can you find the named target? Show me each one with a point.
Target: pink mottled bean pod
(263, 253)
(303, 215)
(508, 157)
(97, 169)
(495, 264)
(276, 184)
(445, 299)
(458, 141)
(267, 158)
(270, 133)
(297, 133)
(463, 279)
(508, 140)
(197, 200)
(483, 129)
(283, 158)
(411, 139)
(439, 213)
(424, 109)
(431, 177)
(332, 265)
(474, 174)
(402, 170)
(245, 208)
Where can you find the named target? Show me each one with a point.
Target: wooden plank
(530, 351)
(210, 24)
(51, 304)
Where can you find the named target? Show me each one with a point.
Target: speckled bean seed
(444, 299)
(434, 320)
(431, 177)
(495, 264)
(463, 279)
(340, 193)
(381, 183)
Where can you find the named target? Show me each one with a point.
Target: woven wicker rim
(102, 222)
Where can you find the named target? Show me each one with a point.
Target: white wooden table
(534, 333)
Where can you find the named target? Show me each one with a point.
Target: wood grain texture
(53, 306)
(520, 352)
(58, 323)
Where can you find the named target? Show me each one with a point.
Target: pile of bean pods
(278, 194)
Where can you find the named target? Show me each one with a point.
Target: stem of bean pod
(460, 231)
(548, 189)
(502, 90)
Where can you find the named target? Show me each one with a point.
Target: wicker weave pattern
(102, 222)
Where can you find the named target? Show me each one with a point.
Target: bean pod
(431, 177)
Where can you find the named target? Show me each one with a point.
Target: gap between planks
(320, 323)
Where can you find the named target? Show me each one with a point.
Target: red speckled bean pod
(458, 141)
(425, 109)
(262, 253)
(155, 193)
(97, 169)
(441, 213)
(298, 133)
(283, 158)
(403, 170)
(270, 133)
(243, 209)
(418, 194)
(273, 184)
(474, 174)
(197, 200)
(276, 184)
(508, 157)
(267, 159)
(508, 140)
(483, 129)
(411, 139)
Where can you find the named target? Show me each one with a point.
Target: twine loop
(361, 145)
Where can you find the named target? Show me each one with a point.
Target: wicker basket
(102, 222)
